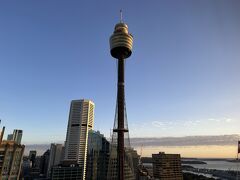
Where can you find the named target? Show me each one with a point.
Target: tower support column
(121, 129)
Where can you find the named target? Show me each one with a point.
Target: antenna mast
(121, 16)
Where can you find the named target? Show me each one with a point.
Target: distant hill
(187, 141)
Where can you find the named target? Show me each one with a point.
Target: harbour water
(216, 169)
(217, 164)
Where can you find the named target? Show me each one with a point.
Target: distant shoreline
(193, 162)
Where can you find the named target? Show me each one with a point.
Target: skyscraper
(81, 119)
(17, 135)
(54, 157)
(98, 156)
(10, 137)
(120, 164)
(32, 157)
(44, 163)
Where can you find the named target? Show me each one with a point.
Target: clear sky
(182, 79)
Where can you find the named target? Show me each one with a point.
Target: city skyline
(182, 79)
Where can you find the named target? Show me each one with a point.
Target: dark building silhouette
(44, 163)
(32, 157)
(54, 157)
(67, 171)
(135, 160)
(98, 156)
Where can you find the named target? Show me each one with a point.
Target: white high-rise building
(81, 119)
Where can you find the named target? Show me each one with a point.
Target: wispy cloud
(181, 127)
(190, 123)
(221, 120)
(157, 124)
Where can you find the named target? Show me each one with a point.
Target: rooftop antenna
(121, 16)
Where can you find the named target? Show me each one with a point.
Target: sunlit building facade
(167, 166)
(81, 119)
(11, 155)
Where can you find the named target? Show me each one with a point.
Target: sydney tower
(120, 164)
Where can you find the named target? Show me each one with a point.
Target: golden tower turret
(121, 42)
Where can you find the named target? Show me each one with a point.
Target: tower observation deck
(120, 161)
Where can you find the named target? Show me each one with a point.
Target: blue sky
(182, 78)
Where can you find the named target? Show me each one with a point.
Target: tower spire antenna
(121, 16)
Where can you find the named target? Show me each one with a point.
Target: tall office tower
(135, 159)
(120, 164)
(44, 163)
(32, 157)
(81, 119)
(11, 155)
(55, 157)
(10, 137)
(17, 136)
(62, 154)
(167, 166)
(98, 156)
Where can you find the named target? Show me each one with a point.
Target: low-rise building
(69, 172)
(167, 166)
